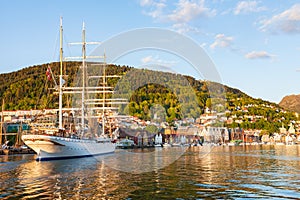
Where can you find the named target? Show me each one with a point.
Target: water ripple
(260, 172)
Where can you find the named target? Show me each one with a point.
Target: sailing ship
(60, 145)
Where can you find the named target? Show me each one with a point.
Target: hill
(29, 88)
(291, 102)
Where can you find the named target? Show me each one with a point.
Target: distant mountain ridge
(291, 103)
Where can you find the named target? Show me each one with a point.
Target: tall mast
(1, 121)
(61, 74)
(83, 76)
(103, 97)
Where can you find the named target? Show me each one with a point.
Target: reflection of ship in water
(82, 178)
(77, 132)
(48, 179)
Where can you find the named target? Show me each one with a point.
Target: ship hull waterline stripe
(71, 157)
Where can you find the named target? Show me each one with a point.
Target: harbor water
(227, 172)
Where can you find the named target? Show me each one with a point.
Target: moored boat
(59, 144)
(125, 143)
(50, 147)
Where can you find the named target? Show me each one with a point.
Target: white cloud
(185, 28)
(258, 55)
(184, 12)
(155, 8)
(146, 2)
(154, 3)
(222, 41)
(188, 10)
(287, 22)
(248, 7)
(146, 59)
(157, 60)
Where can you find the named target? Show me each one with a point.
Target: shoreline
(16, 151)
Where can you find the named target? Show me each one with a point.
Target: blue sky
(255, 45)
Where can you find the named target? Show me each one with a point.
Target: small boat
(125, 143)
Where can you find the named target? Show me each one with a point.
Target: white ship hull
(53, 147)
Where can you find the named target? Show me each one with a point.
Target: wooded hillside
(180, 96)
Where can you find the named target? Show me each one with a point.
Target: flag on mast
(48, 74)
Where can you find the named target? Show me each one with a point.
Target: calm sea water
(226, 172)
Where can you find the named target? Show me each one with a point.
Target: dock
(13, 151)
